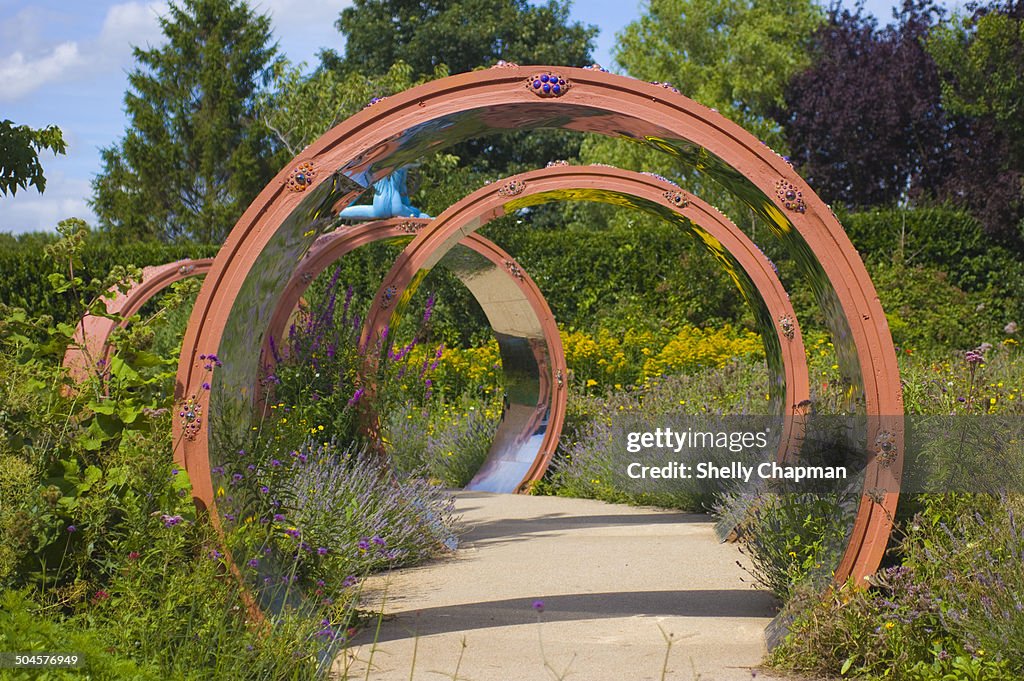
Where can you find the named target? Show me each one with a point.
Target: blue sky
(66, 63)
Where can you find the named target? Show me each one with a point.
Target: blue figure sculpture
(390, 200)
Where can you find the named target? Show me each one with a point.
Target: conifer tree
(195, 154)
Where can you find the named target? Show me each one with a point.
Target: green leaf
(58, 282)
(121, 370)
(91, 477)
(108, 408)
(846, 666)
(117, 477)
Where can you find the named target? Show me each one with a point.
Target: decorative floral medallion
(191, 412)
(514, 269)
(301, 177)
(790, 196)
(547, 85)
(389, 296)
(885, 448)
(788, 326)
(676, 199)
(511, 187)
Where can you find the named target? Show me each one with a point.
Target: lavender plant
(448, 442)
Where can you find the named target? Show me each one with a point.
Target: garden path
(612, 578)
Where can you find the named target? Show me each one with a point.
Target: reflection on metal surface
(530, 346)
(249, 275)
(745, 264)
(524, 360)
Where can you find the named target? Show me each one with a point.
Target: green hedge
(943, 282)
(24, 266)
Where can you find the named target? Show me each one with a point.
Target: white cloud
(30, 211)
(124, 25)
(20, 75)
(130, 23)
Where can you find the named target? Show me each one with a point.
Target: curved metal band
(258, 256)
(91, 341)
(531, 348)
(744, 262)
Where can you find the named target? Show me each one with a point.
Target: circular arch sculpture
(531, 348)
(91, 342)
(258, 256)
(747, 266)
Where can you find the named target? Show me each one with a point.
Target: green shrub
(793, 541)
(27, 628)
(25, 266)
(448, 441)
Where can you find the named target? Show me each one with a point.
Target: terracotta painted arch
(753, 273)
(261, 252)
(92, 337)
(546, 415)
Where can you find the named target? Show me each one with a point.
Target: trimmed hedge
(24, 267)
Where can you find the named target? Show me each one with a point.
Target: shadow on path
(571, 607)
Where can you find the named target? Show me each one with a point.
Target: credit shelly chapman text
(735, 470)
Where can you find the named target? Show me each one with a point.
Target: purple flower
(278, 517)
(237, 477)
(218, 470)
(429, 309)
(72, 528)
(275, 462)
(538, 605)
(322, 551)
(206, 385)
(378, 540)
(351, 580)
(355, 397)
(363, 545)
(215, 554)
(253, 562)
(264, 489)
(174, 471)
(171, 520)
